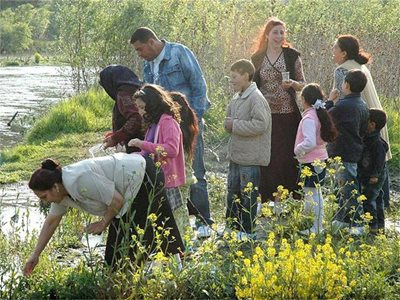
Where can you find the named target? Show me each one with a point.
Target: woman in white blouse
(116, 188)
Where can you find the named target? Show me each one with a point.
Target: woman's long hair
(189, 123)
(311, 93)
(46, 176)
(351, 45)
(158, 102)
(261, 42)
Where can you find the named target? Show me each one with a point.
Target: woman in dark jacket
(274, 58)
(121, 83)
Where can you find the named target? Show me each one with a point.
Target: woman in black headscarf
(121, 83)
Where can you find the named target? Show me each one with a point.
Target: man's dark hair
(143, 34)
(356, 80)
(377, 116)
(244, 66)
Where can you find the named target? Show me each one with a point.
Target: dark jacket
(350, 115)
(373, 157)
(120, 83)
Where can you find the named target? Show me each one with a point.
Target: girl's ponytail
(313, 95)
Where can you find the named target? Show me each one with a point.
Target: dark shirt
(373, 157)
(350, 115)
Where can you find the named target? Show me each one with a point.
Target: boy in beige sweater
(249, 123)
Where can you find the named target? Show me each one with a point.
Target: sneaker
(356, 231)
(337, 225)
(311, 230)
(244, 236)
(203, 231)
(221, 232)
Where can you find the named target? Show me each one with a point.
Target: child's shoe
(244, 236)
(357, 231)
(311, 230)
(203, 231)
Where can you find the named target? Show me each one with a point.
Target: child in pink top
(163, 138)
(316, 128)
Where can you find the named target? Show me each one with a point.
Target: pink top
(309, 145)
(168, 148)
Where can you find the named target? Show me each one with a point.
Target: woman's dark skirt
(282, 169)
(150, 199)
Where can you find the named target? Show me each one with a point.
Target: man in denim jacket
(174, 67)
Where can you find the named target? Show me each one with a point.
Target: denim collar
(167, 48)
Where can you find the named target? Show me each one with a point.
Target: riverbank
(31, 59)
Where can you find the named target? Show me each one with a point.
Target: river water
(28, 91)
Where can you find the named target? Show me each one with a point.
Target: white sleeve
(58, 209)
(310, 138)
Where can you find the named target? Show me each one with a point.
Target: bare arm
(112, 210)
(49, 226)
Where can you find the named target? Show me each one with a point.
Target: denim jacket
(179, 71)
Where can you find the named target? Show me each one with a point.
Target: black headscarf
(114, 77)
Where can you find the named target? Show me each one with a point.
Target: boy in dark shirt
(350, 115)
(372, 170)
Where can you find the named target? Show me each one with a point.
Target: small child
(316, 128)
(163, 139)
(350, 115)
(249, 123)
(372, 170)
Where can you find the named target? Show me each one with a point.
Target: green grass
(89, 112)
(64, 133)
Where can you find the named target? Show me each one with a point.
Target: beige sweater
(369, 93)
(250, 141)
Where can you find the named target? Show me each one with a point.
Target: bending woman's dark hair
(158, 102)
(311, 93)
(45, 177)
(189, 123)
(351, 45)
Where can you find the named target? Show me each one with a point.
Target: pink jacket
(309, 145)
(168, 148)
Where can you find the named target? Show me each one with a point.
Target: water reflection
(19, 210)
(28, 90)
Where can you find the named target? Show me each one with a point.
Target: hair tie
(318, 104)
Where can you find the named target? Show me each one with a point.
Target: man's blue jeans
(242, 197)
(350, 210)
(199, 204)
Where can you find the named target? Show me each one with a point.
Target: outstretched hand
(334, 95)
(135, 143)
(30, 265)
(96, 227)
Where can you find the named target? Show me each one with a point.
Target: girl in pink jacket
(315, 129)
(163, 138)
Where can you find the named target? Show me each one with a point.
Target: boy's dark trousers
(375, 200)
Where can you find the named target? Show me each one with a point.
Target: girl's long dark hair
(45, 177)
(189, 123)
(158, 102)
(311, 93)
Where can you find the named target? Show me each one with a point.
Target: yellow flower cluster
(281, 193)
(300, 271)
